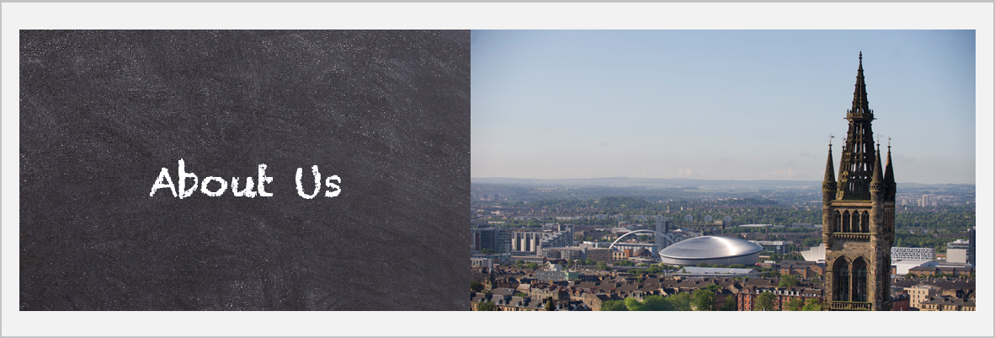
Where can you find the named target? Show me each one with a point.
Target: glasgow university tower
(858, 215)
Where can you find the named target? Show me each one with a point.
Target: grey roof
(715, 271)
(710, 247)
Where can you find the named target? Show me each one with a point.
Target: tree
(730, 304)
(519, 262)
(809, 242)
(486, 251)
(531, 266)
(703, 265)
(590, 262)
(614, 305)
(765, 302)
(634, 304)
(656, 303)
(649, 303)
(703, 300)
(487, 306)
(667, 267)
(795, 305)
(787, 281)
(475, 286)
(812, 305)
(602, 266)
(549, 304)
(680, 301)
(713, 287)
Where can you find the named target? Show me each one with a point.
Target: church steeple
(857, 160)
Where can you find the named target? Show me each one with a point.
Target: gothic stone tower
(858, 216)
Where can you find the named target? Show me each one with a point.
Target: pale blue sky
(739, 105)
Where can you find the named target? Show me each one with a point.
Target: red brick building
(900, 302)
(747, 297)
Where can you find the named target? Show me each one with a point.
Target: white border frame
(977, 16)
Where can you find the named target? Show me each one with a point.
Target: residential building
(804, 269)
(533, 241)
(599, 254)
(900, 302)
(574, 253)
(747, 297)
(947, 303)
(920, 293)
(933, 270)
(491, 238)
(556, 276)
(480, 261)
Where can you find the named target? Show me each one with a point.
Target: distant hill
(703, 184)
(651, 183)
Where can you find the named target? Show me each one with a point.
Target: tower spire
(860, 107)
(830, 177)
(829, 182)
(857, 159)
(889, 176)
(877, 178)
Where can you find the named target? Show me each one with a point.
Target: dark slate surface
(103, 111)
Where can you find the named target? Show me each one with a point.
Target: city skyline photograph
(717, 105)
(724, 170)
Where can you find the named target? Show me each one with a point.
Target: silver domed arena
(711, 250)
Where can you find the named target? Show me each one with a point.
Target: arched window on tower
(846, 221)
(855, 221)
(859, 280)
(837, 219)
(841, 280)
(865, 222)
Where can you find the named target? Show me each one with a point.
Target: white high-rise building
(912, 254)
(957, 251)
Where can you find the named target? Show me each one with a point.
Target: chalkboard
(103, 112)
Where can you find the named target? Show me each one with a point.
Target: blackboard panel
(102, 112)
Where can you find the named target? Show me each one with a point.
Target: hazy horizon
(677, 178)
(717, 105)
